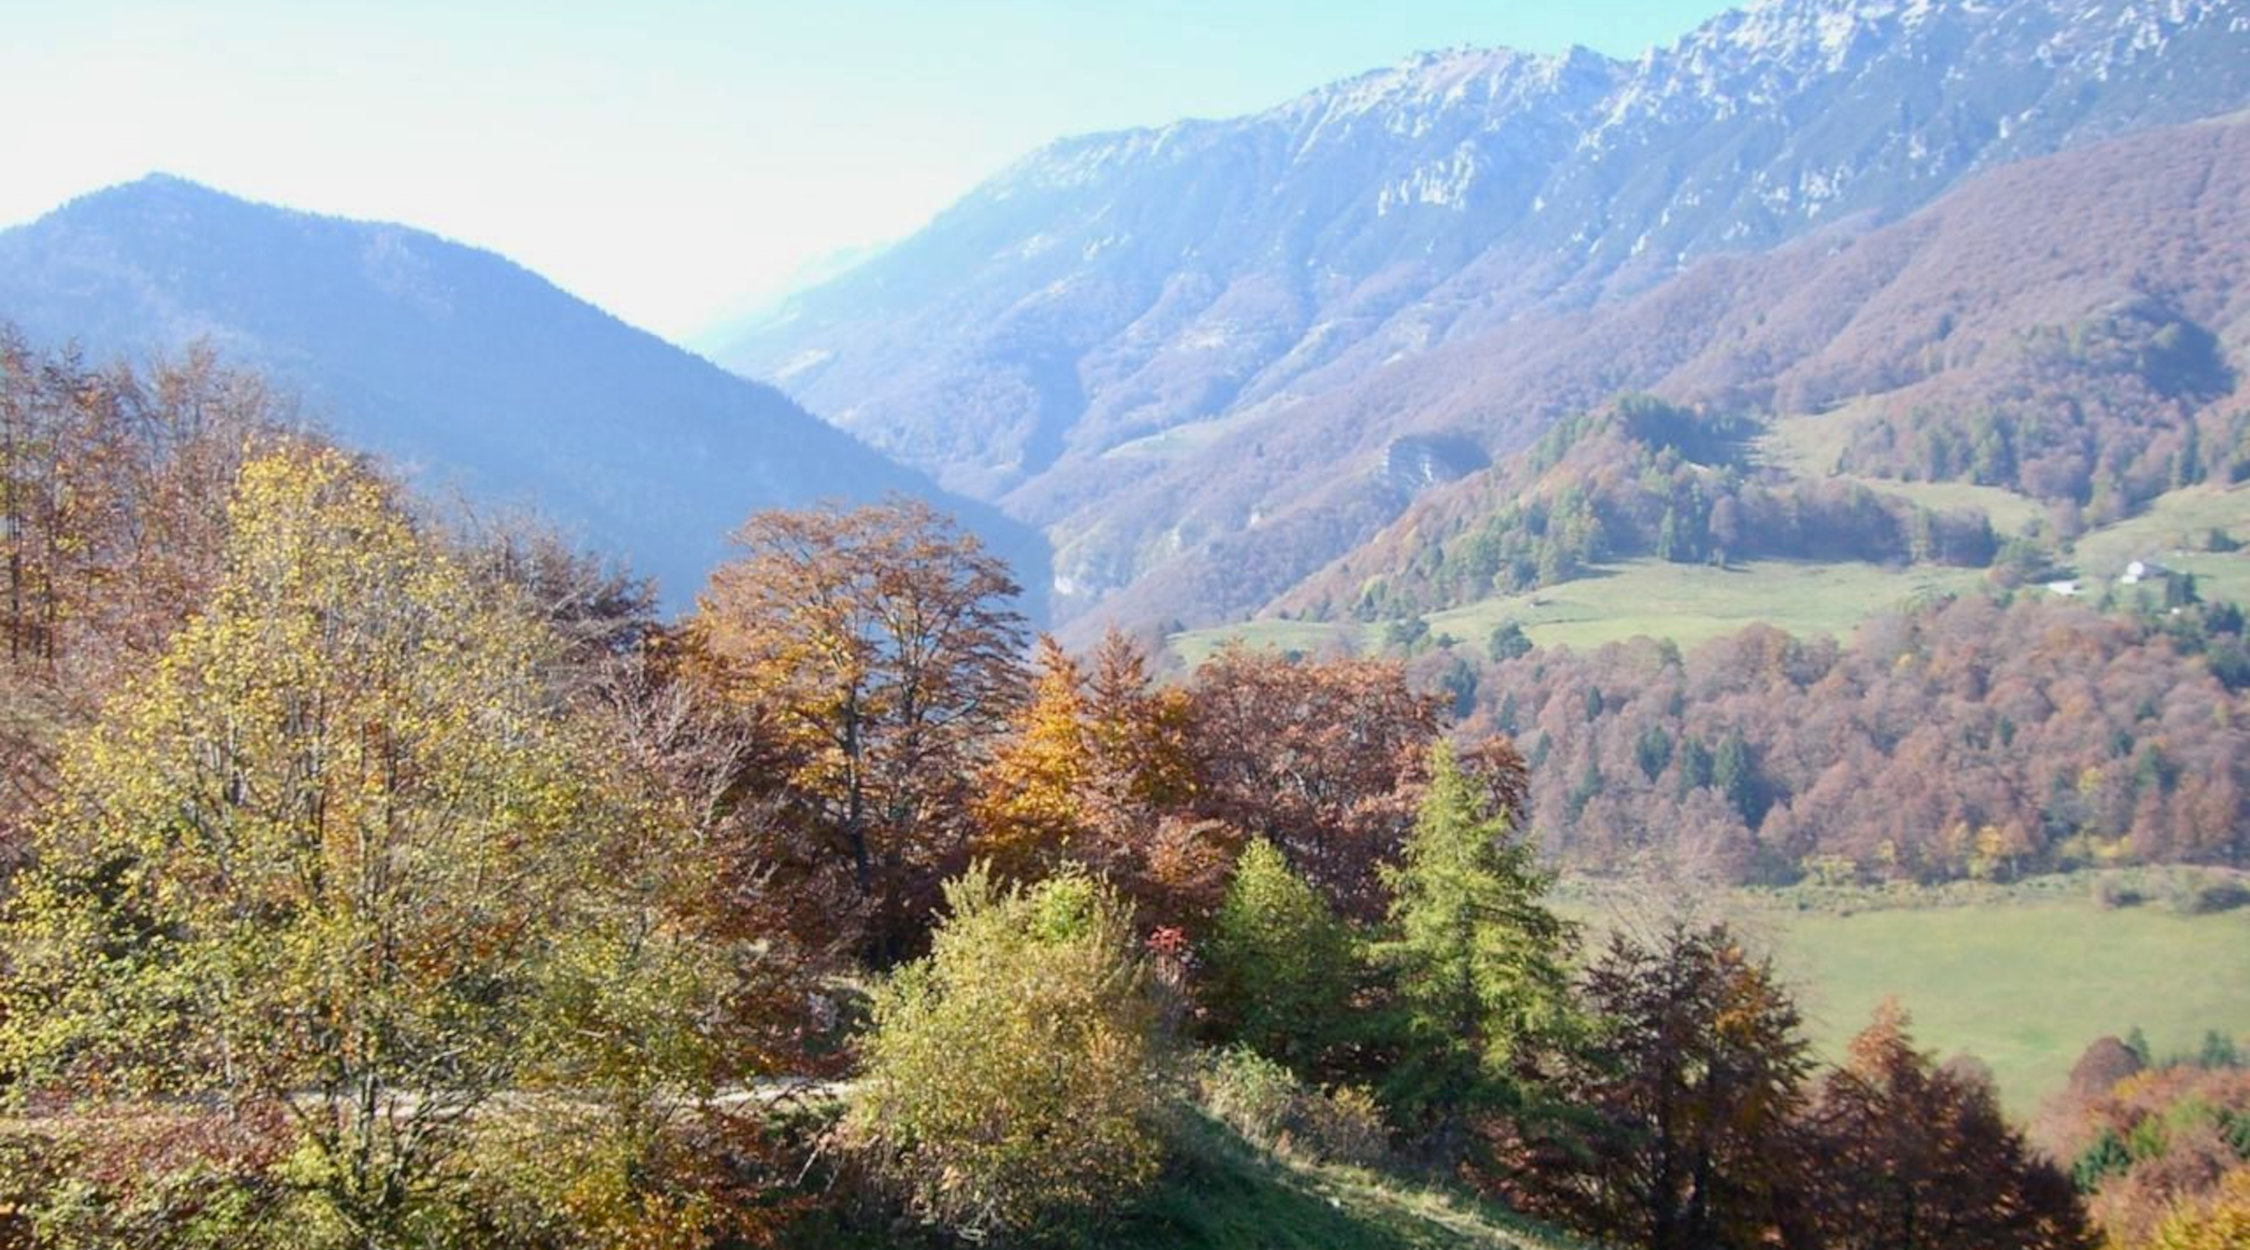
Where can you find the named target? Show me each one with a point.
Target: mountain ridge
(458, 363)
(1112, 290)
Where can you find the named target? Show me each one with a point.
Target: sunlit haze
(675, 162)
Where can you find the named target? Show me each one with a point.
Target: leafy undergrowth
(1222, 1193)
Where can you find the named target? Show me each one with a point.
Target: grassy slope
(1810, 445)
(1688, 603)
(2163, 533)
(2023, 978)
(1221, 1193)
(1694, 603)
(1225, 1195)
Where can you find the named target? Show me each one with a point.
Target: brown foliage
(1690, 1092)
(1957, 739)
(873, 653)
(1321, 758)
(1918, 1157)
(113, 494)
(2154, 1145)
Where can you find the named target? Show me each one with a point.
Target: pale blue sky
(673, 160)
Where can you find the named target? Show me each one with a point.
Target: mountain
(465, 369)
(2033, 301)
(1101, 331)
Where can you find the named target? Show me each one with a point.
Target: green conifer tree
(1478, 961)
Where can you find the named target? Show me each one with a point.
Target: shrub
(1014, 1078)
(2210, 897)
(2113, 894)
(1272, 1109)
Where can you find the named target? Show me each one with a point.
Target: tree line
(1983, 736)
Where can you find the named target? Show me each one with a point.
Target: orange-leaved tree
(875, 654)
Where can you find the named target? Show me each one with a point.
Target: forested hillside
(1198, 356)
(1971, 738)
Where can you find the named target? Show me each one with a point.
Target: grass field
(1311, 637)
(2022, 978)
(1688, 603)
(2024, 986)
(2171, 532)
(1691, 603)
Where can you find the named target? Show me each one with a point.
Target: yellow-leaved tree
(310, 867)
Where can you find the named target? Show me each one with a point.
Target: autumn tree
(1690, 1090)
(1477, 958)
(875, 652)
(1914, 1156)
(114, 485)
(2218, 1221)
(1321, 758)
(316, 862)
(1031, 801)
(1095, 772)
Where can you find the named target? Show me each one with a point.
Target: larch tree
(312, 864)
(1030, 804)
(1281, 965)
(1477, 956)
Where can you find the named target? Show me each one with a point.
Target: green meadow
(2023, 977)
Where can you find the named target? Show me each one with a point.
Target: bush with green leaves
(1281, 965)
(1271, 1108)
(1015, 1078)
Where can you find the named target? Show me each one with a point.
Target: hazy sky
(670, 160)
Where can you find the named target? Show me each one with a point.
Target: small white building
(2064, 588)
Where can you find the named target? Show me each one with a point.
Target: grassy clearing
(1224, 1194)
(2171, 532)
(1692, 603)
(1311, 637)
(1810, 446)
(2008, 511)
(1688, 603)
(2024, 986)
(2023, 977)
